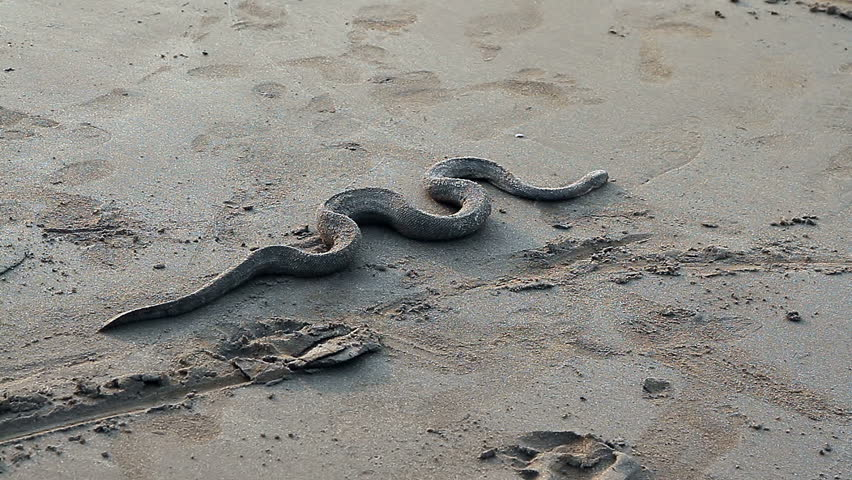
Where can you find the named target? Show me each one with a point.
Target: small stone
(709, 225)
(490, 453)
(655, 385)
(105, 454)
(159, 266)
(528, 473)
(248, 208)
(562, 226)
(520, 135)
(794, 316)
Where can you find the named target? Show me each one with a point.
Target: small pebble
(490, 453)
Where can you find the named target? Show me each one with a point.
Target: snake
(452, 182)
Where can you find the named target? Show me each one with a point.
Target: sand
(691, 317)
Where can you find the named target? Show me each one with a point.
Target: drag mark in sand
(14, 265)
(263, 353)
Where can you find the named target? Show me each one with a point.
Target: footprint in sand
(333, 69)
(215, 72)
(652, 66)
(258, 15)
(269, 90)
(487, 31)
(409, 89)
(81, 172)
(220, 136)
(566, 456)
(533, 91)
(87, 135)
(385, 18)
(840, 164)
(369, 54)
(534, 83)
(116, 98)
(665, 149)
(16, 125)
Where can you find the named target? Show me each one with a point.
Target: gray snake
(448, 181)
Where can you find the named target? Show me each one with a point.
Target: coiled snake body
(448, 181)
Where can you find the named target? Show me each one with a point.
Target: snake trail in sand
(448, 181)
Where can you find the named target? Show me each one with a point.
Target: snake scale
(449, 182)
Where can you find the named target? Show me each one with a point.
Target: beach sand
(691, 316)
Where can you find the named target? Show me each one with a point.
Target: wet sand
(692, 316)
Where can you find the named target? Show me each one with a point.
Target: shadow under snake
(449, 182)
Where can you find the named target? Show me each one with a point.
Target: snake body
(449, 181)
